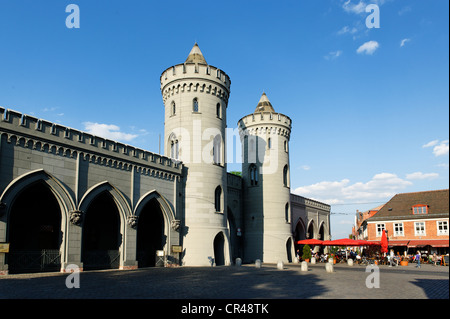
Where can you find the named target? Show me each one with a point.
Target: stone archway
(300, 231)
(101, 234)
(310, 231)
(34, 230)
(219, 249)
(150, 233)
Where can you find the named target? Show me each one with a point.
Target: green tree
(306, 252)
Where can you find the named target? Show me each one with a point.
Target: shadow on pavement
(434, 288)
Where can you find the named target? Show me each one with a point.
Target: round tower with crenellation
(266, 183)
(195, 96)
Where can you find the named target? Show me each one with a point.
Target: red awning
(345, 242)
(394, 243)
(430, 242)
(310, 242)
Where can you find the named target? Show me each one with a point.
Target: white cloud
(403, 42)
(441, 149)
(381, 187)
(368, 48)
(432, 143)
(333, 55)
(347, 29)
(109, 131)
(420, 175)
(305, 167)
(357, 8)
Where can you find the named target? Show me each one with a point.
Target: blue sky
(369, 106)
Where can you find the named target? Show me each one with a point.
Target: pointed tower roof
(195, 56)
(264, 105)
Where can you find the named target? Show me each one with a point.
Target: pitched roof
(400, 206)
(195, 56)
(264, 105)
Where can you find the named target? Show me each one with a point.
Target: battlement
(67, 141)
(195, 77)
(297, 199)
(265, 123)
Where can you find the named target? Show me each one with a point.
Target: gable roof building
(414, 220)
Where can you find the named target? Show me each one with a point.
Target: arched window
(285, 176)
(174, 147)
(286, 212)
(217, 198)
(218, 113)
(285, 146)
(269, 143)
(174, 108)
(217, 144)
(195, 105)
(253, 172)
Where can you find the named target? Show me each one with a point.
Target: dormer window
(420, 209)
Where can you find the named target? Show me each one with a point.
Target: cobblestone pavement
(245, 282)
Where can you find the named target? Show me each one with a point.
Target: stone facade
(113, 199)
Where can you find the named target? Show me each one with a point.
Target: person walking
(391, 258)
(418, 256)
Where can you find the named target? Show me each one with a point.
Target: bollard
(313, 260)
(238, 262)
(350, 262)
(280, 265)
(258, 263)
(304, 266)
(329, 267)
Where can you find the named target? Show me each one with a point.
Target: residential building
(414, 221)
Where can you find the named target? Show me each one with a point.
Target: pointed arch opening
(101, 237)
(219, 249)
(34, 231)
(150, 233)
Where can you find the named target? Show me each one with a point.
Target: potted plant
(404, 261)
(306, 253)
(333, 257)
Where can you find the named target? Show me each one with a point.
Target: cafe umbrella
(311, 242)
(384, 242)
(346, 242)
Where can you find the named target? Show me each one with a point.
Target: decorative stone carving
(76, 217)
(176, 223)
(133, 221)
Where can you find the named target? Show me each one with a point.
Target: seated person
(434, 259)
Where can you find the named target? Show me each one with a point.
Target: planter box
(403, 263)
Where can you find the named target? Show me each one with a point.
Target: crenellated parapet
(195, 77)
(41, 135)
(300, 200)
(265, 123)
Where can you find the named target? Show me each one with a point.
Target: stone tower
(195, 97)
(265, 171)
